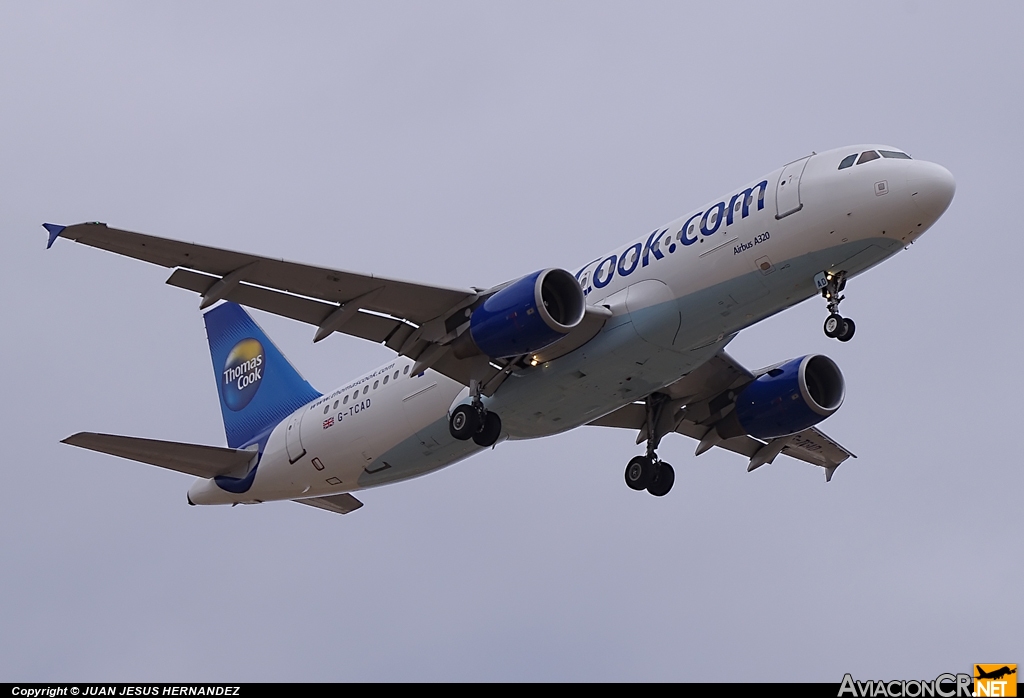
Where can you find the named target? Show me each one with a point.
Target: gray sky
(468, 144)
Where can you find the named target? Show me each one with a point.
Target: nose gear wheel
(836, 326)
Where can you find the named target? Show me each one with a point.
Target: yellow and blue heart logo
(243, 373)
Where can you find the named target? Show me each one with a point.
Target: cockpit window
(847, 161)
(867, 156)
(894, 154)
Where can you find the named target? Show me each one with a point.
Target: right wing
(415, 320)
(202, 267)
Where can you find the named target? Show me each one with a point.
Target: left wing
(415, 320)
(698, 399)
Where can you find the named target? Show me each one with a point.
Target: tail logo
(243, 373)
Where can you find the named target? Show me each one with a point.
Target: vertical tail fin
(257, 386)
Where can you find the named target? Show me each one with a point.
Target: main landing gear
(648, 472)
(836, 326)
(474, 421)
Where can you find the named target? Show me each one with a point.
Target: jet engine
(525, 316)
(787, 399)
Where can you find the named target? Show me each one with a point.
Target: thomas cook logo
(243, 372)
(995, 680)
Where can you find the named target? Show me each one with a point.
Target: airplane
(995, 674)
(634, 339)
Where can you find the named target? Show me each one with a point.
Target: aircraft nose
(931, 188)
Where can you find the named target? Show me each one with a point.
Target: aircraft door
(787, 191)
(293, 436)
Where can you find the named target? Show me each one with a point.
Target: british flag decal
(329, 422)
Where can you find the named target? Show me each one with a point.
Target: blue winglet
(54, 230)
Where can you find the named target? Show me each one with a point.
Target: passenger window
(405, 370)
(345, 401)
(386, 379)
(375, 384)
(847, 161)
(355, 395)
(366, 389)
(326, 407)
(583, 281)
(895, 154)
(396, 375)
(335, 404)
(867, 156)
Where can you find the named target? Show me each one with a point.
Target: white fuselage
(677, 295)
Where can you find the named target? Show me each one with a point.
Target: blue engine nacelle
(525, 316)
(787, 399)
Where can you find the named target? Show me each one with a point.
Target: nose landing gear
(832, 285)
(648, 472)
(474, 421)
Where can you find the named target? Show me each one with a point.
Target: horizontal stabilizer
(338, 503)
(191, 459)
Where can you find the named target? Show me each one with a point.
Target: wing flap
(364, 325)
(634, 416)
(743, 445)
(191, 459)
(338, 503)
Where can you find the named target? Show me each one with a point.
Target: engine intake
(525, 316)
(787, 399)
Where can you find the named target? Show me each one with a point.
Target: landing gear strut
(648, 472)
(832, 285)
(474, 421)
